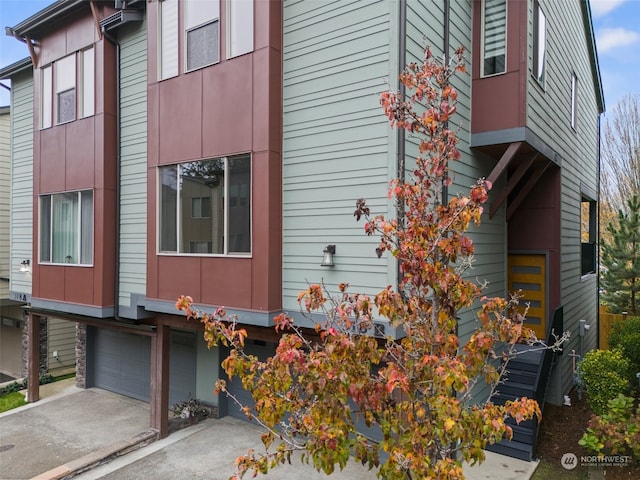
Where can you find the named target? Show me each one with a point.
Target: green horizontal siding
(21, 179)
(133, 148)
(337, 60)
(548, 115)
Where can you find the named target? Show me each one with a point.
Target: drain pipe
(402, 90)
(116, 286)
(446, 47)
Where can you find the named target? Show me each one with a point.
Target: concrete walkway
(106, 436)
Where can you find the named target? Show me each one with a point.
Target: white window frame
(574, 101)
(48, 260)
(226, 209)
(46, 96)
(83, 77)
(87, 91)
(65, 80)
(168, 34)
(198, 14)
(482, 40)
(240, 15)
(539, 43)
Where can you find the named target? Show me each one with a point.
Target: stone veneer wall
(25, 343)
(81, 355)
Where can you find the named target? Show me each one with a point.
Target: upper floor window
(66, 228)
(539, 42)
(588, 217)
(239, 27)
(205, 206)
(193, 26)
(494, 37)
(67, 88)
(574, 101)
(201, 33)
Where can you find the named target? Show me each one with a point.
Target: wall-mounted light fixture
(25, 266)
(327, 257)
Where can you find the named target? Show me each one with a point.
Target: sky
(616, 23)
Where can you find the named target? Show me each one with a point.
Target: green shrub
(625, 336)
(617, 432)
(21, 385)
(605, 373)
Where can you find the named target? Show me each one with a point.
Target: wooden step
(513, 449)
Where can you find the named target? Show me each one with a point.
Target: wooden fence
(606, 320)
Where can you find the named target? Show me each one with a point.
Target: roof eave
(17, 67)
(593, 51)
(31, 25)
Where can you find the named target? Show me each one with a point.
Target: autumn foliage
(416, 395)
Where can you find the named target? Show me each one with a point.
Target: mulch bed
(561, 429)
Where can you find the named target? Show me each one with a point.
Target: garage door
(260, 349)
(122, 364)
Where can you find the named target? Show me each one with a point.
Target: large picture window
(66, 228)
(205, 207)
(494, 37)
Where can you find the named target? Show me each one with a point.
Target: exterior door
(527, 275)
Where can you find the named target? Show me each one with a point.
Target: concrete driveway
(76, 429)
(61, 429)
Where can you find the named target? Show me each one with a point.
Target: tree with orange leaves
(416, 392)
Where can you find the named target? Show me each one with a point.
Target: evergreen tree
(621, 257)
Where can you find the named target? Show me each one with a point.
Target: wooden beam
(522, 194)
(511, 184)
(96, 17)
(503, 163)
(33, 358)
(32, 51)
(159, 407)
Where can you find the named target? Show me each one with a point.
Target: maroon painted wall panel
(51, 163)
(499, 102)
(79, 285)
(179, 276)
(229, 108)
(180, 118)
(536, 226)
(80, 155)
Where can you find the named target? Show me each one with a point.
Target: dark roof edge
(5, 109)
(10, 70)
(43, 16)
(591, 43)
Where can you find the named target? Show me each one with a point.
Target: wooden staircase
(527, 376)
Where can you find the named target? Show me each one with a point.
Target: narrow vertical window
(202, 33)
(574, 100)
(588, 235)
(539, 42)
(87, 61)
(240, 27)
(168, 38)
(46, 101)
(65, 87)
(494, 36)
